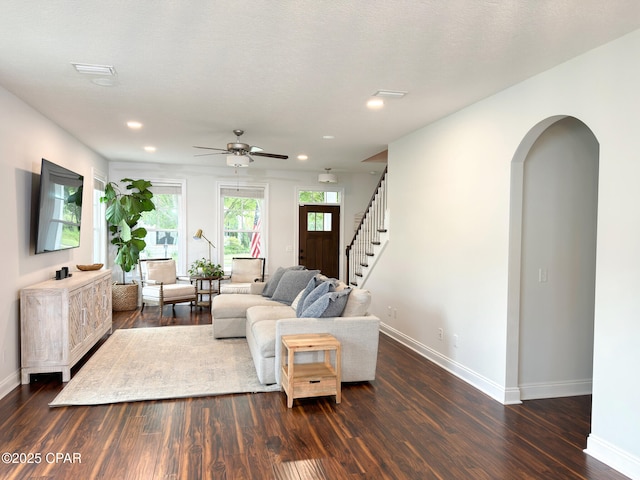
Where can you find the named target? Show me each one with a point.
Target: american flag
(255, 236)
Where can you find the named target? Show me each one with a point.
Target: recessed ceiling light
(150, 148)
(375, 103)
(390, 93)
(303, 157)
(103, 82)
(328, 137)
(93, 69)
(134, 125)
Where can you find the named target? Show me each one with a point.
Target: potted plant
(122, 214)
(205, 268)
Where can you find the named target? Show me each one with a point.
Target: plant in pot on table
(122, 214)
(205, 268)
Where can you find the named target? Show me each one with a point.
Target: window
(306, 197)
(243, 225)
(318, 222)
(165, 233)
(99, 221)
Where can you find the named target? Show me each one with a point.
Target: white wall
(282, 210)
(25, 138)
(558, 262)
(449, 195)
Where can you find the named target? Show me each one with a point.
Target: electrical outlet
(440, 334)
(455, 340)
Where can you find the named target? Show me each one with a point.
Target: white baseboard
(478, 381)
(9, 383)
(556, 390)
(617, 459)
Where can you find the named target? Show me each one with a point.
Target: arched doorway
(552, 261)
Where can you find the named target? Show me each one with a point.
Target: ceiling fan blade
(208, 154)
(211, 148)
(270, 155)
(254, 149)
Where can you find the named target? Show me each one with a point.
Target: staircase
(370, 238)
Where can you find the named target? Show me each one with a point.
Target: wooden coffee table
(302, 380)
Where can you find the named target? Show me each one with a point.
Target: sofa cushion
(274, 279)
(328, 305)
(169, 292)
(235, 288)
(161, 271)
(272, 312)
(235, 306)
(357, 303)
(262, 322)
(291, 283)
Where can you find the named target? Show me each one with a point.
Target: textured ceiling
(287, 72)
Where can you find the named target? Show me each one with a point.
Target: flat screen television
(59, 208)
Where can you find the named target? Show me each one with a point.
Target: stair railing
(367, 234)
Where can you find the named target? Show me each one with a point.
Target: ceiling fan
(240, 154)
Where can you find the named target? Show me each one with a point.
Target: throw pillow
(328, 305)
(321, 289)
(291, 283)
(358, 303)
(298, 303)
(272, 283)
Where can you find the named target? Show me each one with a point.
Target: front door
(319, 238)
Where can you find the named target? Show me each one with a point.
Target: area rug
(163, 363)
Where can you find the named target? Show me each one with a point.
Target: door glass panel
(318, 222)
(326, 217)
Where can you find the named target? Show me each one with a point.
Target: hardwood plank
(414, 421)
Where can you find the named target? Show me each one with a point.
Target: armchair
(244, 272)
(160, 285)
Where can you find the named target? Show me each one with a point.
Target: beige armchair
(244, 272)
(161, 286)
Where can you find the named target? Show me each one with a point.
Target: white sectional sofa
(269, 312)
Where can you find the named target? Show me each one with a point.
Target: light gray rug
(161, 363)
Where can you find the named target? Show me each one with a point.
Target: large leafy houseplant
(123, 213)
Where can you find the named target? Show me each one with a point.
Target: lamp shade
(327, 178)
(238, 160)
(198, 234)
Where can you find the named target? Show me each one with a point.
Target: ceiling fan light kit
(327, 177)
(239, 154)
(238, 160)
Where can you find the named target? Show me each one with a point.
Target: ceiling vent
(91, 69)
(389, 94)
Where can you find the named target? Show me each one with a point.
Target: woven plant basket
(124, 297)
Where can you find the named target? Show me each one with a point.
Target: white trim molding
(9, 383)
(485, 385)
(614, 457)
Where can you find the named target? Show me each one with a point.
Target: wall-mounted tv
(59, 208)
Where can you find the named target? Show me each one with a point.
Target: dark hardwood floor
(415, 421)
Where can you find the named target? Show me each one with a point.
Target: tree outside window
(242, 217)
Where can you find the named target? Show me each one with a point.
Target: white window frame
(264, 215)
(181, 264)
(100, 230)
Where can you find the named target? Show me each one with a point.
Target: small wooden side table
(205, 293)
(302, 380)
